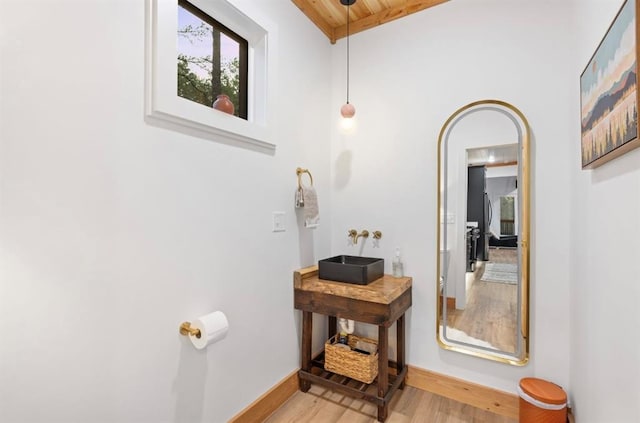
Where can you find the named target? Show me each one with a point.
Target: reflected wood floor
(321, 405)
(491, 313)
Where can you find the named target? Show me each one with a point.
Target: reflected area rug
(500, 273)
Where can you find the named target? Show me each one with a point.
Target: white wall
(114, 231)
(407, 77)
(502, 171)
(605, 289)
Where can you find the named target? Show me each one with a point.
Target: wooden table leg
(333, 324)
(383, 369)
(400, 346)
(305, 351)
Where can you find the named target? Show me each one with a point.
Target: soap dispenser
(396, 265)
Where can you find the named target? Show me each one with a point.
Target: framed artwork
(609, 92)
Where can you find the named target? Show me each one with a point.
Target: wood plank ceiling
(331, 16)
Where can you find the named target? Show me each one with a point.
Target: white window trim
(165, 107)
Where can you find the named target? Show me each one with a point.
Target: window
(238, 20)
(507, 215)
(212, 60)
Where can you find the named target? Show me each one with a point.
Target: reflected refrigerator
(479, 208)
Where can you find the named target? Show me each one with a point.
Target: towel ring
(299, 172)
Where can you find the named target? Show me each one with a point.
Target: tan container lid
(543, 391)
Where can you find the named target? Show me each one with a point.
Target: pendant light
(347, 110)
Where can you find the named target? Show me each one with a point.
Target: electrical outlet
(278, 222)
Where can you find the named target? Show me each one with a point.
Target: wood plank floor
(491, 313)
(321, 405)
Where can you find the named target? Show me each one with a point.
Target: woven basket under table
(353, 364)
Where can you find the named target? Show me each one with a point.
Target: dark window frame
(243, 58)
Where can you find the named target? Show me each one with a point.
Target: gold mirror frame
(523, 242)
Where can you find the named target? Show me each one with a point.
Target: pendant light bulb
(348, 125)
(347, 110)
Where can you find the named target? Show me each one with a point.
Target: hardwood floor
(321, 405)
(491, 311)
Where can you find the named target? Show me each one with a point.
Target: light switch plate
(451, 218)
(278, 221)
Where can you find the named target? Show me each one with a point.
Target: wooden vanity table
(381, 303)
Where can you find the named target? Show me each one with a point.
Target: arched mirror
(483, 232)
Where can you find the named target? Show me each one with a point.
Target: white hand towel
(311, 211)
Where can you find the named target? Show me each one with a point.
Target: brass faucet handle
(377, 234)
(364, 233)
(353, 232)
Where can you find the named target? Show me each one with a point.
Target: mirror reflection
(483, 232)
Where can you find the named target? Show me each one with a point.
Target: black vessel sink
(351, 269)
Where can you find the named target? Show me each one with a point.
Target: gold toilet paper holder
(186, 329)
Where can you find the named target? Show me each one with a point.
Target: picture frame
(609, 92)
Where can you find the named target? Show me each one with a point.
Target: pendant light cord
(348, 7)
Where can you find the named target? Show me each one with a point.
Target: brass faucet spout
(364, 234)
(354, 235)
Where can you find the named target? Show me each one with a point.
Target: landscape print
(608, 90)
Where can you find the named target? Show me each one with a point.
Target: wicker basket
(353, 364)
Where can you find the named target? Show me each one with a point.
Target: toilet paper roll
(213, 327)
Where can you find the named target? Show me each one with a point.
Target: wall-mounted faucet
(354, 235)
(364, 234)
